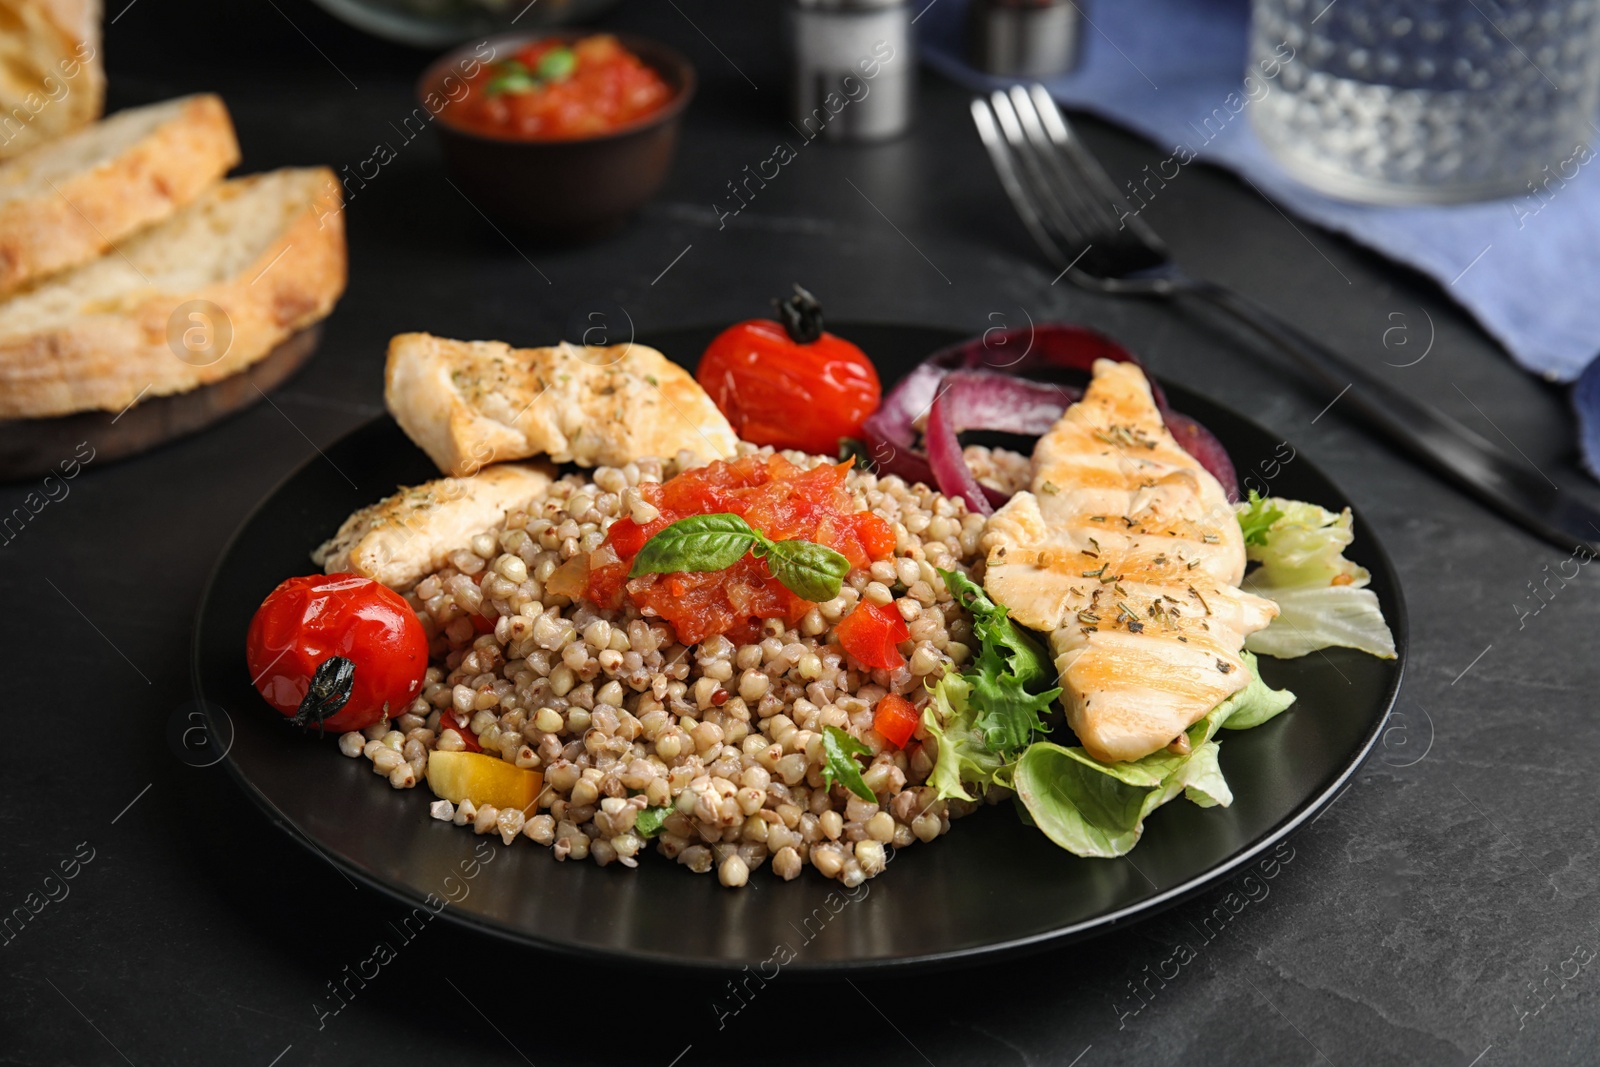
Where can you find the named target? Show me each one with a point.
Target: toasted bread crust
(109, 359)
(61, 42)
(84, 215)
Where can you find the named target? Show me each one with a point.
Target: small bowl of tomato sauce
(559, 136)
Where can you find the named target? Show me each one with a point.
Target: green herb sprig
(1257, 517)
(716, 542)
(649, 821)
(839, 751)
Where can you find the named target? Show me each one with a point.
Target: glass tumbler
(1426, 101)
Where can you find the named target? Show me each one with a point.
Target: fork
(1073, 211)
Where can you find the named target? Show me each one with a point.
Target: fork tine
(1006, 168)
(1056, 214)
(1081, 208)
(1089, 171)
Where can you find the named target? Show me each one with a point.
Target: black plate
(990, 886)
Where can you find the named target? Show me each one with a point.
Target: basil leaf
(808, 570)
(557, 63)
(648, 822)
(698, 543)
(839, 750)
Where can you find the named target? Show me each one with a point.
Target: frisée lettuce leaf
(1011, 677)
(1322, 598)
(1256, 517)
(964, 753)
(985, 715)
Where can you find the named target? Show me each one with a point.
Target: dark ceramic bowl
(562, 189)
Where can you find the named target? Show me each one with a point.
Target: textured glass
(1402, 101)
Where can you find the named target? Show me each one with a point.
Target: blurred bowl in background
(563, 190)
(438, 23)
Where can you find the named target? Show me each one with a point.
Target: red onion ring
(890, 433)
(976, 401)
(979, 400)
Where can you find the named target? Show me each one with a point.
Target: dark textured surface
(1442, 912)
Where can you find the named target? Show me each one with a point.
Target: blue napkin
(1173, 70)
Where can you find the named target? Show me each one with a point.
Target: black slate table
(1443, 911)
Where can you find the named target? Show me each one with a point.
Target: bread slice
(470, 403)
(52, 80)
(66, 202)
(199, 297)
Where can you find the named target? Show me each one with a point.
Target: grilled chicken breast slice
(471, 403)
(403, 538)
(1127, 553)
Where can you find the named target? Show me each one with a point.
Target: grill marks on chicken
(1127, 553)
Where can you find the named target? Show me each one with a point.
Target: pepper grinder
(853, 68)
(1023, 38)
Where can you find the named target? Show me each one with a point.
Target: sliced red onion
(891, 436)
(982, 397)
(1203, 445)
(890, 433)
(1052, 345)
(978, 400)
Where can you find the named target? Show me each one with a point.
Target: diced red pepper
(876, 535)
(896, 719)
(449, 720)
(627, 537)
(871, 632)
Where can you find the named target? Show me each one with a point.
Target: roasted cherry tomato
(789, 384)
(336, 651)
(871, 632)
(896, 719)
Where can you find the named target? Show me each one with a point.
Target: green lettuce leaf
(964, 753)
(1200, 778)
(1098, 809)
(1254, 704)
(1304, 545)
(1333, 616)
(1322, 597)
(1256, 517)
(1012, 679)
(1005, 647)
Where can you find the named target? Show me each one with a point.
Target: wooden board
(30, 448)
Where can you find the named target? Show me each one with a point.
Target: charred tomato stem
(328, 693)
(801, 316)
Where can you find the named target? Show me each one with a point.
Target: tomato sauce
(770, 493)
(555, 90)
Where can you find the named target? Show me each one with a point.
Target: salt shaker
(853, 68)
(1023, 38)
